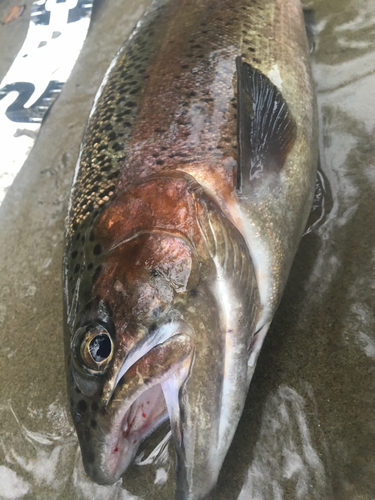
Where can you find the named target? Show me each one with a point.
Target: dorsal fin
(266, 128)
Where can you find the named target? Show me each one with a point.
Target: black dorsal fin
(266, 128)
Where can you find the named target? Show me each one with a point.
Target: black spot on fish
(117, 146)
(77, 416)
(82, 406)
(92, 236)
(98, 270)
(112, 136)
(152, 327)
(87, 434)
(93, 423)
(113, 175)
(97, 248)
(90, 266)
(74, 254)
(78, 235)
(77, 268)
(194, 292)
(94, 406)
(108, 127)
(157, 312)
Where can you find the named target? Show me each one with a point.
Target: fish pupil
(100, 348)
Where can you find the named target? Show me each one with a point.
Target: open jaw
(145, 395)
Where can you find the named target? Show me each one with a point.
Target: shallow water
(308, 429)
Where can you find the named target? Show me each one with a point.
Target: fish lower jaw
(147, 412)
(151, 404)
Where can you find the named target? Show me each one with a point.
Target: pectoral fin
(266, 128)
(322, 203)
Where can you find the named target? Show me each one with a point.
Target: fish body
(193, 187)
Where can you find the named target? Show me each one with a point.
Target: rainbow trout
(193, 187)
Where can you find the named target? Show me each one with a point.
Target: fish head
(130, 340)
(160, 332)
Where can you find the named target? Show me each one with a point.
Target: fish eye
(97, 349)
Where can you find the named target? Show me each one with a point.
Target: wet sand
(308, 429)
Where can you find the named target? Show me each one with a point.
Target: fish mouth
(146, 394)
